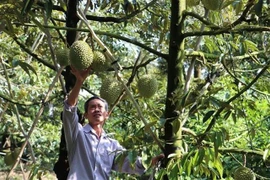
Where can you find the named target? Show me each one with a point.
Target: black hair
(95, 97)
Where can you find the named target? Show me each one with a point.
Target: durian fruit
(212, 4)
(147, 85)
(244, 173)
(110, 89)
(100, 63)
(62, 56)
(191, 3)
(16, 152)
(8, 159)
(80, 55)
(11, 157)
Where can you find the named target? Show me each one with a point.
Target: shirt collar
(88, 129)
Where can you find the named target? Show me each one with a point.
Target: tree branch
(218, 112)
(240, 151)
(228, 30)
(32, 54)
(24, 103)
(132, 41)
(107, 18)
(202, 19)
(216, 28)
(239, 80)
(244, 14)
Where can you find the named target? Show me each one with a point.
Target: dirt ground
(20, 176)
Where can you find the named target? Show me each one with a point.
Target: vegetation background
(211, 113)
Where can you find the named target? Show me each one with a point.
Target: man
(91, 153)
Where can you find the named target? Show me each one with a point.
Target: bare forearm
(73, 96)
(80, 77)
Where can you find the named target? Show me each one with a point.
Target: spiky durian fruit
(100, 63)
(244, 173)
(192, 2)
(8, 159)
(110, 89)
(80, 55)
(62, 56)
(147, 86)
(11, 157)
(212, 4)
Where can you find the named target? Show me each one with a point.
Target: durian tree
(206, 105)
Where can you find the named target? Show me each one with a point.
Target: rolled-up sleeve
(70, 124)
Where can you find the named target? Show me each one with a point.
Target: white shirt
(90, 157)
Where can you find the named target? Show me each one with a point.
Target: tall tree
(210, 114)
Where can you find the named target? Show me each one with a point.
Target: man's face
(96, 112)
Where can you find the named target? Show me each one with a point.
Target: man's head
(95, 97)
(96, 110)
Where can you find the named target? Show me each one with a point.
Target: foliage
(222, 104)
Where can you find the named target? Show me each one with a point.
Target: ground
(19, 176)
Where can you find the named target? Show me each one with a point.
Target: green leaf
(208, 115)
(265, 154)
(121, 157)
(38, 24)
(63, 5)
(239, 7)
(195, 157)
(258, 8)
(48, 8)
(149, 125)
(184, 99)
(161, 173)
(242, 49)
(34, 172)
(216, 102)
(204, 168)
(26, 67)
(218, 138)
(27, 6)
(252, 133)
(211, 155)
(218, 165)
(200, 156)
(250, 46)
(185, 158)
(234, 117)
(174, 173)
(176, 125)
(189, 167)
(132, 156)
(227, 115)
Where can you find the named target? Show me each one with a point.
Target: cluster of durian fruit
(81, 56)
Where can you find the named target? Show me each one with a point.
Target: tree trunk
(61, 167)
(173, 133)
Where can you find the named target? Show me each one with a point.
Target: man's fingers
(156, 159)
(73, 69)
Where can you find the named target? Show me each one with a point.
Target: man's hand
(80, 75)
(156, 159)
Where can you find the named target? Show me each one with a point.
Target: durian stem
(116, 67)
(82, 17)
